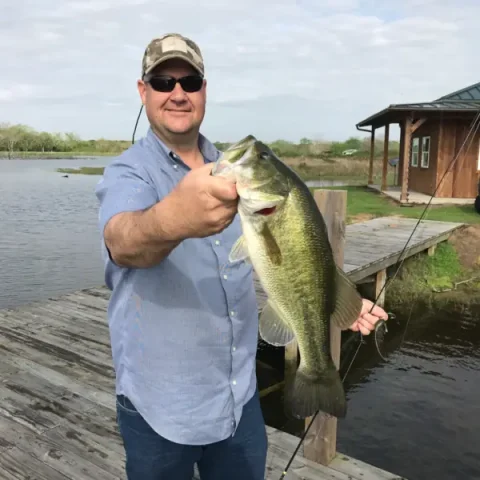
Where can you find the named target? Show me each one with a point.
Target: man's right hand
(200, 205)
(205, 204)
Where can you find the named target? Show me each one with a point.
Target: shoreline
(451, 276)
(55, 155)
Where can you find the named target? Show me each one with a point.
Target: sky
(277, 69)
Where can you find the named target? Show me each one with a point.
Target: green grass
(364, 201)
(431, 279)
(82, 170)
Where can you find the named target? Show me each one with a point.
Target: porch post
(372, 153)
(401, 153)
(385, 158)
(407, 142)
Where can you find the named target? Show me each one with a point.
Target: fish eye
(264, 156)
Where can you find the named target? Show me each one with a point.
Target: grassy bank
(364, 204)
(436, 280)
(352, 170)
(82, 170)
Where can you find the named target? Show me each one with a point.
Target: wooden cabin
(432, 135)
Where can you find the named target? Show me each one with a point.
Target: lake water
(417, 414)
(49, 239)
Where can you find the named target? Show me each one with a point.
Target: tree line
(22, 138)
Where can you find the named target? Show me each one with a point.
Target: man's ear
(142, 90)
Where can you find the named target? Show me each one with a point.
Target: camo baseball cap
(172, 45)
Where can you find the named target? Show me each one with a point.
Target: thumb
(222, 189)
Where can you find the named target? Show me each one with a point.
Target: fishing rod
(136, 124)
(473, 129)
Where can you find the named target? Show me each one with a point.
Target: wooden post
(385, 158)
(321, 441)
(381, 279)
(372, 154)
(406, 158)
(291, 360)
(401, 154)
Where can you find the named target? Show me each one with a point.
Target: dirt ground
(467, 243)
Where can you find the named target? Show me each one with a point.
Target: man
(183, 321)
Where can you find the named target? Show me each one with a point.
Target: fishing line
(302, 438)
(471, 133)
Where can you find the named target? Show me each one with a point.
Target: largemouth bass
(285, 239)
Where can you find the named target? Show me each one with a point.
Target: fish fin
(308, 393)
(239, 251)
(273, 250)
(348, 302)
(274, 329)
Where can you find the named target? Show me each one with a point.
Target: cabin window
(414, 159)
(425, 152)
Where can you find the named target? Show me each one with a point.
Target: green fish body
(286, 240)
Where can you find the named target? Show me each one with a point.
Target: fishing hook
(471, 132)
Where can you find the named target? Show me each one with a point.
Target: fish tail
(310, 392)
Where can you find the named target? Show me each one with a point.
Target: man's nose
(178, 94)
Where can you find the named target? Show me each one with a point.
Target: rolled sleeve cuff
(123, 188)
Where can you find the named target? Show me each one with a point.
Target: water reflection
(422, 402)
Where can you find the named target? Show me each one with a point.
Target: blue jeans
(152, 457)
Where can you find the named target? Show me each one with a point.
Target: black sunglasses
(166, 83)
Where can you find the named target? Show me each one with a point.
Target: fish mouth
(266, 211)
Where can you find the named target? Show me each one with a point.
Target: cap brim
(179, 55)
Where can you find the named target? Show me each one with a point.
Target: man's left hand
(366, 321)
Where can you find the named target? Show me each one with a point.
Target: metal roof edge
(420, 106)
(457, 92)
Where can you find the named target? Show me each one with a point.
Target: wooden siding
(423, 179)
(461, 181)
(446, 138)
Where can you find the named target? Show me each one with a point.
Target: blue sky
(276, 69)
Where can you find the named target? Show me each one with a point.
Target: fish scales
(286, 240)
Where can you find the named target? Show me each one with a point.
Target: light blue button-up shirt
(184, 332)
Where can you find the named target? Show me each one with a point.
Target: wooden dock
(374, 245)
(57, 403)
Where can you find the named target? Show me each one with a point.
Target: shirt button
(217, 242)
(225, 277)
(232, 313)
(234, 382)
(234, 349)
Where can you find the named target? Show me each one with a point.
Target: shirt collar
(209, 151)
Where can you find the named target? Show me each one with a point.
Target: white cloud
(285, 69)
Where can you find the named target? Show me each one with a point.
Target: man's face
(175, 112)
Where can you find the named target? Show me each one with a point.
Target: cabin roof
(465, 100)
(472, 92)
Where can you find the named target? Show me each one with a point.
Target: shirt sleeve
(124, 187)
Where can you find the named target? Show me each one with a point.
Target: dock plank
(16, 464)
